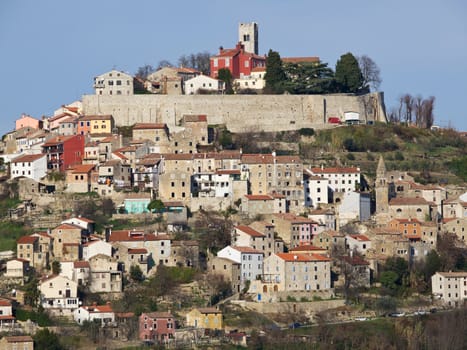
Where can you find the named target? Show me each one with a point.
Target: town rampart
(239, 113)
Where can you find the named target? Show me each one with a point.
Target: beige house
(360, 243)
(105, 276)
(247, 236)
(184, 253)
(67, 239)
(17, 268)
(410, 207)
(228, 269)
(450, 287)
(330, 240)
(207, 318)
(174, 181)
(58, 292)
(297, 272)
(114, 83)
(270, 173)
(158, 133)
(457, 226)
(454, 208)
(36, 249)
(263, 204)
(294, 230)
(80, 178)
(113, 174)
(17, 342)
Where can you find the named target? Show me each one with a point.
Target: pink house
(156, 326)
(28, 121)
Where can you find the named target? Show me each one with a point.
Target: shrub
(306, 131)
(350, 156)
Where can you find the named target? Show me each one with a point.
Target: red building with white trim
(237, 60)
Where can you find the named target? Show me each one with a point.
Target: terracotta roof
(246, 250)
(305, 248)
(408, 201)
(67, 227)
(195, 118)
(294, 219)
(27, 239)
(209, 310)
(407, 221)
(355, 260)
(228, 172)
(135, 236)
(27, 158)
(178, 156)
(173, 204)
(96, 117)
(311, 59)
(302, 257)
(5, 302)
(98, 308)
(19, 339)
(81, 264)
(454, 274)
(259, 69)
(57, 140)
(337, 170)
(82, 168)
(138, 251)
(143, 126)
(360, 238)
(249, 231)
(159, 315)
(269, 159)
(259, 197)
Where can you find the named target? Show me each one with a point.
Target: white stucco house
(33, 166)
(200, 83)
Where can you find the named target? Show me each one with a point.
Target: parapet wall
(239, 113)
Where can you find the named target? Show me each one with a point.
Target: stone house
(128, 257)
(66, 237)
(296, 272)
(294, 230)
(263, 204)
(79, 178)
(113, 82)
(247, 236)
(410, 207)
(157, 326)
(330, 240)
(450, 287)
(146, 172)
(457, 226)
(175, 179)
(360, 243)
(157, 245)
(454, 208)
(105, 276)
(270, 173)
(251, 261)
(230, 270)
(326, 219)
(95, 247)
(184, 253)
(23, 342)
(77, 271)
(357, 270)
(114, 174)
(207, 318)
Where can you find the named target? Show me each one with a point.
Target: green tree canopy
(45, 339)
(156, 205)
(348, 74)
(275, 75)
(225, 75)
(309, 78)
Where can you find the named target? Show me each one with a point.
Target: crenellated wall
(238, 112)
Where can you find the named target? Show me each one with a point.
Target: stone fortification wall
(238, 112)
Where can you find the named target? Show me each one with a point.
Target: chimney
(295, 257)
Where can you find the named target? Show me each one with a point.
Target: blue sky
(50, 50)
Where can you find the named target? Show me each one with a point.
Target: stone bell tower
(381, 188)
(248, 36)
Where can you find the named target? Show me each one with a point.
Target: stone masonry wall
(239, 113)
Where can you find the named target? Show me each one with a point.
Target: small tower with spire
(381, 188)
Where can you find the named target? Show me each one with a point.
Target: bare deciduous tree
(370, 72)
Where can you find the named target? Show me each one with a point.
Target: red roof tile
(27, 239)
(301, 257)
(150, 126)
(27, 158)
(249, 231)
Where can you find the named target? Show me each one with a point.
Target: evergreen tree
(225, 75)
(309, 78)
(275, 76)
(348, 74)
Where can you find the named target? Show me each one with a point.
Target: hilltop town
(161, 211)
